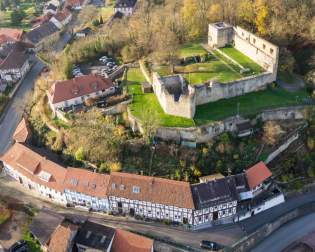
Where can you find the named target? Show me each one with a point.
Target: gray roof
(42, 31)
(125, 3)
(44, 224)
(215, 192)
(95, 236)
(15, 60)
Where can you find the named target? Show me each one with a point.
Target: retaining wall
(249, 242)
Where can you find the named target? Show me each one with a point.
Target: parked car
(19, 246)
(210, 245)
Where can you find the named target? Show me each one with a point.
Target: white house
(151, 197)
(87, 189)
(14, 66)
(201, 205)
(35, 172)
(126, 7)
(63, 94)
(61, 19)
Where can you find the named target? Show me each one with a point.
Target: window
(136, 189)
(264, 46)
(271, 51)
(254, 40)
(122, 187)
(113, 186)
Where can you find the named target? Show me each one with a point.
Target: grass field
(217, 67)
(249, 104)
(149, 101)
(242, 59)
(28, 7)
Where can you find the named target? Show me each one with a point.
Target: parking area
(103, 66)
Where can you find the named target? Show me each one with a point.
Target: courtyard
(213, 66)
(248, 104)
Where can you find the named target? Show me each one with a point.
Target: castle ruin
(179, 99)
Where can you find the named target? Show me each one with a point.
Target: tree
(262, 12)
(167, 48)
(16, 17)
(272, 131)
(97, 134)
(215, 13)
(149, 124)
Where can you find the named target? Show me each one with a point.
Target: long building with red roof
(199, 205)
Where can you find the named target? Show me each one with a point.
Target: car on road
(209, 245)
(19, 246)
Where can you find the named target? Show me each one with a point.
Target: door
(215, 215)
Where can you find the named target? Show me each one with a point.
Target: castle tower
(220, 34)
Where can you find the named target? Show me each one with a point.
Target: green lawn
(214, 70)
(3, 101)
(249, 104)
(191, 49)
(143, 101)
(28, 7)
(242, 59)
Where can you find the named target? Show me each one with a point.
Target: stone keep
(220, 34)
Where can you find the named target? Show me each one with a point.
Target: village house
(125, 7)
(215, 200)
(14, 66)
(58, 233)
(75, 4)
(83, 33)
(62, 18)
(151, 197)
(86, 189)
(64, 94)
(50, 8)
(39, 33)
(8, 35)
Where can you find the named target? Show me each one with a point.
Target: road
(225, 235)
(287, 234)
(13, 113)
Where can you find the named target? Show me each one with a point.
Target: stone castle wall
(214, 91)
(259, 50)
(184, 106)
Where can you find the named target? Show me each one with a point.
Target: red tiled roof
(125, 241)
(62, 237)
(152, 189)
(74, 3)
(35, 167)
(77, 87)
(257, 174)
(9, 35)
(22, 132)
(15, 60)
(62, 15)
(86, 182)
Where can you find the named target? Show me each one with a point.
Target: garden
(19, 14)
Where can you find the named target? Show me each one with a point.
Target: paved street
(284, 236)
(253, 223)
(225, 235)
(15, 109)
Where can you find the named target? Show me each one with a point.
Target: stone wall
(215, 91)
(202, 134)
(259, 50)
(249, 242)
(184, 106)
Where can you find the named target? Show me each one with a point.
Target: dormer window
(136, 189)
